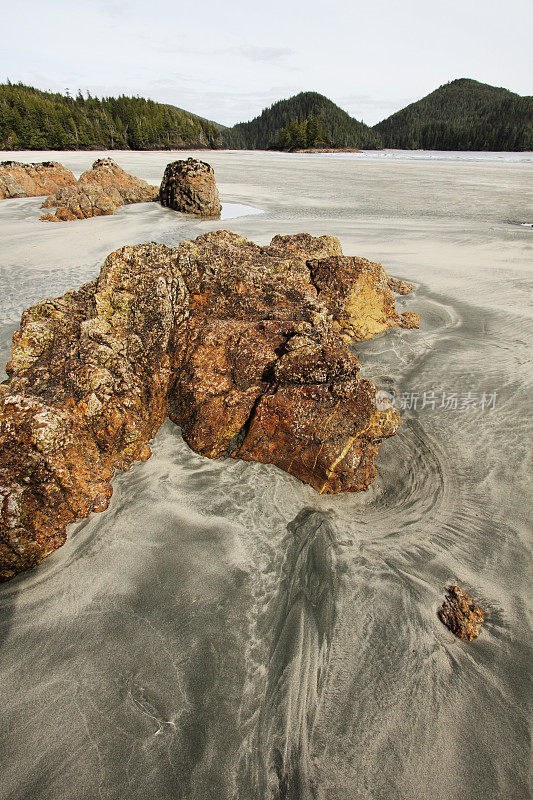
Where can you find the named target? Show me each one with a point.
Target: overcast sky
(228, 59)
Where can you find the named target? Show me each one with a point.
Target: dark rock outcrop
(32, 180)
(241, 345)
(460, 614)
(189, 186)
(98, 192)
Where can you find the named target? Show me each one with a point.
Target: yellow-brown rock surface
(460, 614)
(33, 180)
(243, 346)
(98, 192)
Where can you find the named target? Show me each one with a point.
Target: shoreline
(204, 149)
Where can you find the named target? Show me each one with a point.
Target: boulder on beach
(460, 614)
(98, 192)
(244, 347)
(189, 186)
(32, 180)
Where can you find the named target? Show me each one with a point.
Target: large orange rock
(32, 180)
(243, 346)
(98, 192)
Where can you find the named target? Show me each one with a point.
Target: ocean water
(222, 632)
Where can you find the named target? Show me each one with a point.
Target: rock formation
(243, 346)
(460, 614)
(98, 192)
(399, 286)
(32, 180)
(189, 186)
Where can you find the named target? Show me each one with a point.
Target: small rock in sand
(460, 614)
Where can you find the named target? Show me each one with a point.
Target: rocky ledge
(98, 192)
(244, 347)
(32, 180)
(460, 614)
(189, 186)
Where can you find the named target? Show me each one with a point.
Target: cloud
(180, 45)
(218, 101)
(372, 101)
(371, 108)
(264, 54)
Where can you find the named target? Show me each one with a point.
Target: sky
(228, 59)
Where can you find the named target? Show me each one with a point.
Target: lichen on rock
(98, 192)
(244, 347)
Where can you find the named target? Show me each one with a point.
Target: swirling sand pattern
(168, 650)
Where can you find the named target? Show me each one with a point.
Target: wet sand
(224, 632)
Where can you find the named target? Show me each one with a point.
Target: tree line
(461, 115)
(297, 135)
(31, 119)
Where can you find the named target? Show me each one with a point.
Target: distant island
(461, 115)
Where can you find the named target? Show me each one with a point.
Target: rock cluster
(32, 180)
(98, 192)
(189, 186)
(460, 614)
(243, 346)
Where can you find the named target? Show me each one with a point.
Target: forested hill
(31, 119)
(462, 115)
(306, 120)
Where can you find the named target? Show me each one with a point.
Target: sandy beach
(137, 660)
